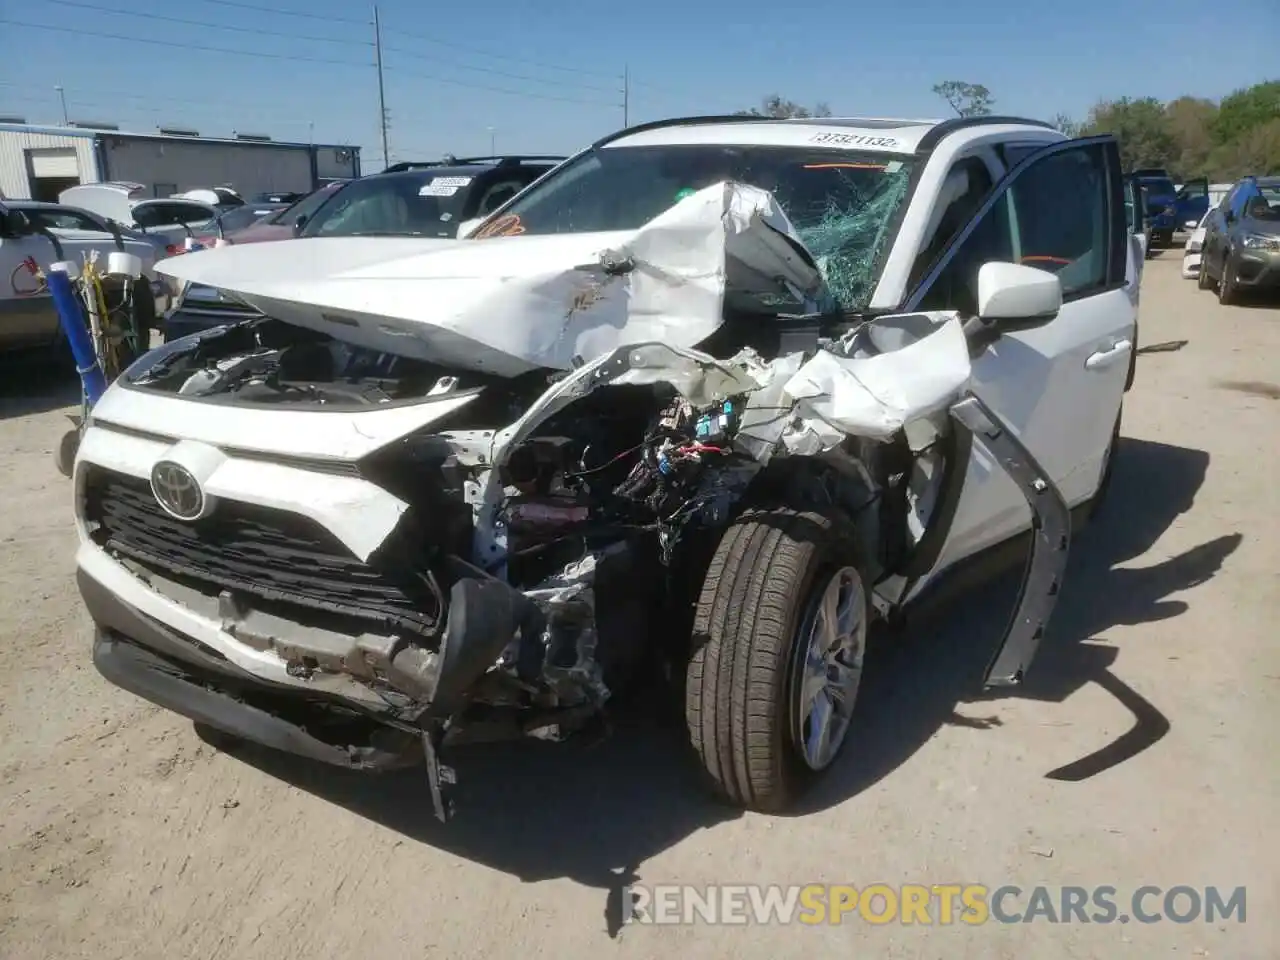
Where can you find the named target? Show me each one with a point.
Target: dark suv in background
(1241, 250)
(412, 199)
(426, 199)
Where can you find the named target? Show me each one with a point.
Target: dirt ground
(1143, 750)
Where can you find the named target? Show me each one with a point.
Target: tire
(751, 633)
(65, 457)
(1226, 289)
(1203, 280)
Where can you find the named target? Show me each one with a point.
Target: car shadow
(902, 705)
(596, 813)
(36, 383)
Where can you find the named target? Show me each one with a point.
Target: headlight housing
(1256, 241)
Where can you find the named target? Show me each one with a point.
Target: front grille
(277, 556)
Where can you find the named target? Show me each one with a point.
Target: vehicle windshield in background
(307, 206)
(421, 203)
(1159, 187)
(841, 203)
(239, 218)
(162, 214)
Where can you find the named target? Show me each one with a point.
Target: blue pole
(77, 331)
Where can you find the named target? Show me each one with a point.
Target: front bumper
(1257, 269)
(151, 660)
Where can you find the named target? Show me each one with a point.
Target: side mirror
(1229, 215)
(467, 227)
(1010, 292)
(299, 224)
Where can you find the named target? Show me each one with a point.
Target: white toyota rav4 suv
(718, 391)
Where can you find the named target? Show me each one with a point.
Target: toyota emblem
(176, 490)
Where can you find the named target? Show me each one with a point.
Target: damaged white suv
(716, 390)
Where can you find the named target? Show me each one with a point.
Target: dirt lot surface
(1143, 751)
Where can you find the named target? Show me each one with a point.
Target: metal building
(38, 163)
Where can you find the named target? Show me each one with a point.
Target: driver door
(1192, 203)
(1058, 383)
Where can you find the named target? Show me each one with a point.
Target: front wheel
(780, 634)
(1203, 280)
(1226, 288)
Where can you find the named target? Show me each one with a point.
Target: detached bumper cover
(152, 661)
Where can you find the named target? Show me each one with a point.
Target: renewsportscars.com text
(931, 904)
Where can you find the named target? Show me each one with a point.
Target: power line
(258, 8)
(148, 97)
(514, 93)
(499, 73)
(211, 26)
(97, 35)
(504, 56)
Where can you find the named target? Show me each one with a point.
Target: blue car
(1170, 207)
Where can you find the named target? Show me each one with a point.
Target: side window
(495, 195)
(149, 215)
(956, 287)
(963, 190)
(1011, 154)
(1054, 216)
(59, 220)
(1060, 207)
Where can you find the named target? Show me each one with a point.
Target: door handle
(1103, 359)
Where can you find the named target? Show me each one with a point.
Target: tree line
(1189, 136)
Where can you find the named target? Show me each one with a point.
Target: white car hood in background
(507, 305)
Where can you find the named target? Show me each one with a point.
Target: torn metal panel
(508, 305)
(876, 394)
(1050, 544)
(568, 663)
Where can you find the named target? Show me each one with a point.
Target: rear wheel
(780, 634)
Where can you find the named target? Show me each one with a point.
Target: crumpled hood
(507, 305)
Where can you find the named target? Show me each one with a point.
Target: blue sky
(555, 76)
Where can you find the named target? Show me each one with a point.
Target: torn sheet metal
(507, 305)
(568, 643)
(876, 395)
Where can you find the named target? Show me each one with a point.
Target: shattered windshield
(842, 203)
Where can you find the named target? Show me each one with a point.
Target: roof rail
(935, 135)
(509, 160)
(680, 122)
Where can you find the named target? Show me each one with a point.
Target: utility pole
(626, 96)
(62, 95)
(382, 94)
